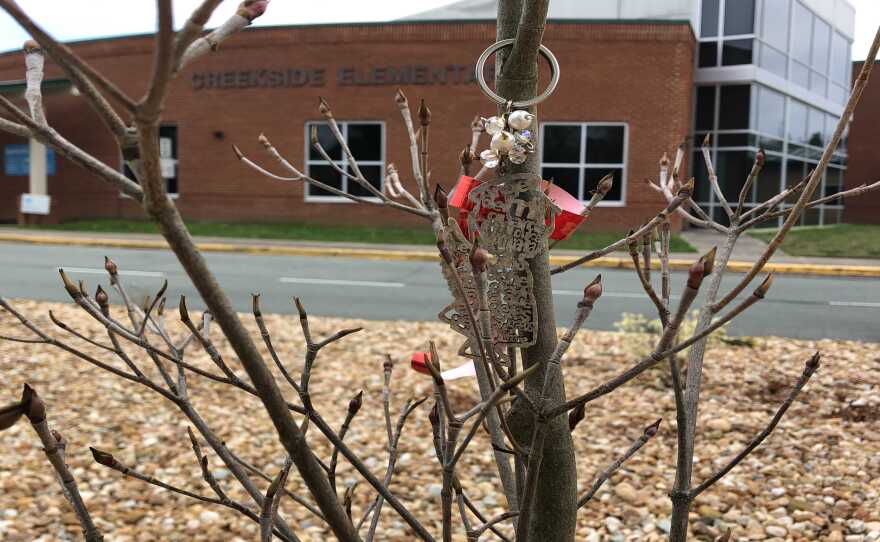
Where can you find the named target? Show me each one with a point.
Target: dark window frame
(583, 165)
(342, 162)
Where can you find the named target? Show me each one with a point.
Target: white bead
(493, 125)
(502, 142)
(520, 120)
(489, 158)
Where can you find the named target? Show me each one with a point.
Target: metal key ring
(481, 80)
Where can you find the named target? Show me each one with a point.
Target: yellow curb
(426, 255)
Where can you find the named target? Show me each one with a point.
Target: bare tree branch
(646, 435)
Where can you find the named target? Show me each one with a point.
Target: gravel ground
(816, 478)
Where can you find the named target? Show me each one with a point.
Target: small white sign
(165, 147)
(167, 165)
(35, 204)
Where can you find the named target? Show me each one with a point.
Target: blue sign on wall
(16, 160)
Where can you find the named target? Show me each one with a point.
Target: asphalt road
(800, 307)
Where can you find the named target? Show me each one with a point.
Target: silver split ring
(481, 79)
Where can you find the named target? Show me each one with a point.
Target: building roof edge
(396, 22)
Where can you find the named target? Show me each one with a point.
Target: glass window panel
(732, 169)
(774, 33)
(720, 216)
(818, 83)
(365, 141)
(701, 177)
(708, 54)
(821, 45)
(812, 217)
(562, 143)
(770, 144)
(773, 60)
(769, 181)
(840, 60)
(737, 52)
(373, 174)
(567, 178)
(739, 17)
(833, 181)
(771, 112)
(795, 170)
(592, 176)
(830, 126)
(800, 74)
(797, 150)
(327, 175)
(705, 108)
(831, 216)
(838, 94)
(327, 141)
(709, 19)
(605, 144)
(816, 128)
(734, 107)
(797, 121)
(734, 140)
(802, 30)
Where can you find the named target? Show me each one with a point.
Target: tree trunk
(554, 512)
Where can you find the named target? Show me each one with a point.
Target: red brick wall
(636, 73)
(863, 165)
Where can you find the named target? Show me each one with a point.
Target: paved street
(802, 307)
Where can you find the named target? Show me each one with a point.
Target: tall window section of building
(577, 155)
(743, 118)
(783, 37)
(366, 140)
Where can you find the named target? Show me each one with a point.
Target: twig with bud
(271, 502)
(757, 166)
(108, 460)
(643, 439)
(32, 407)
(188, 47)
(602, 188)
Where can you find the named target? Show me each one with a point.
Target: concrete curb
(422, 255)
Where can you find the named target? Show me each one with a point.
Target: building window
(366, 140)
(727, 29)
(739, 17)
(576, 156)
(167, 159)
(709, 18)
(744, 118)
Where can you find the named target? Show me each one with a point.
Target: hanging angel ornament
(511, 217)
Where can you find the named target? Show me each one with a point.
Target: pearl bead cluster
(511, 138)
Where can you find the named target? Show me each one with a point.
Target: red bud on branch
(354, 405)
(424, 114)
(593, 291)
(34, 408)
(761, 290)
(696, 273)
(251, 9)
(652, 429)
